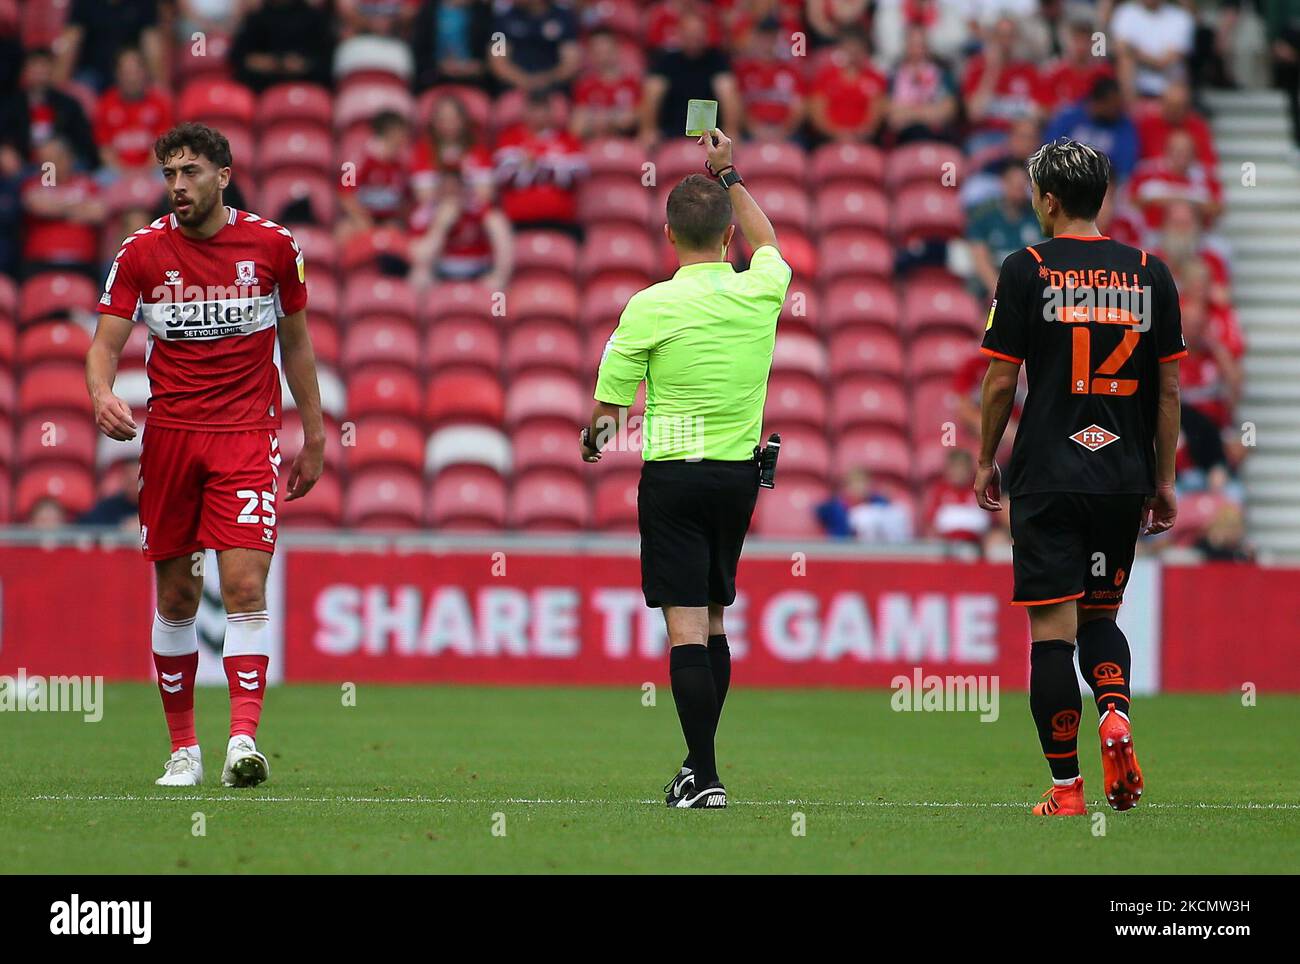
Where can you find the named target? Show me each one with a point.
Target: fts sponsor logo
(1094, 437)
(75, 917)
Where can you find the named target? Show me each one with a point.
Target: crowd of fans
(463, 124)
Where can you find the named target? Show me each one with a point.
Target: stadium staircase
(1262, 226)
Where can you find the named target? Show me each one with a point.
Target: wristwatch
(730, 176)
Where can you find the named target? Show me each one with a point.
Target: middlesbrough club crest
(245, 273)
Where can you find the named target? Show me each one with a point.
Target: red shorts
(207, 490)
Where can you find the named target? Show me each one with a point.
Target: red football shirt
(212, 307)
(1015, 91)
(58, 239)
(130, 127)
(850, 95)
(538, 174)
(769, 88)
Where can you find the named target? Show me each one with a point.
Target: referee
(702, 342)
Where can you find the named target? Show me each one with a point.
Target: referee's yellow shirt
(703, 342)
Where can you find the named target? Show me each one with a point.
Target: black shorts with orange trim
(1073, 546)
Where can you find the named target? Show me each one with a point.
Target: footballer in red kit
(219, 289)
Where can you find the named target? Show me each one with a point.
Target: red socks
(247, 678)
(176, 684)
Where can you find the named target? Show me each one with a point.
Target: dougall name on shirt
(1102, 297)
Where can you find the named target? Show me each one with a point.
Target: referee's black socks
(720, 663)
(1106, 663)
(1055, 701)
(696, 696)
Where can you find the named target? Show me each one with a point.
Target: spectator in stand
(664, 21)
(541, 45)
(828, 19)
(848, 99)
(11, 46)
(47, 513)
(771, 84)
(450, 144)
(858, 510)
(1175, 176)
(120, 509)
(377, 197)
(96, 31)
(1196, 284)
(1210, 387)
(694, 70)
(952, 512)
(208, 17)
(448, 41)
(1101, 122)
(1157, 120)
(945, 23)
(63, 214)
(1070, 78)
(983, 183)
(377, 18)
(999, 86)
(130, 116)
(1224, 539)
(31, 116)
(467, 239)
(1153, 39)
(282, 41)
(538, 165)
(1181, 241)
(607, 96)
(1282, 23)
(922, 95)
(1001, 227)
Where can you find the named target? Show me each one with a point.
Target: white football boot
(245, 767)
(184, 769)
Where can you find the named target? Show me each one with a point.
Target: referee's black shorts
(693, 518)
(1073, 546)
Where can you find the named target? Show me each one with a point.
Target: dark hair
(1103, 87)
(200, 138)
(385, 121)
(1075, 173)
(699, 212)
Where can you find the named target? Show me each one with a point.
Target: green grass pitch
(411, 780)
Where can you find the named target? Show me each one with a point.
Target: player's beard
(198, 212)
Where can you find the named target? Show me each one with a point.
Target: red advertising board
(525, 618)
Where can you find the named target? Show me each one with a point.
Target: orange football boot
(1063, 801)
(1121, 775)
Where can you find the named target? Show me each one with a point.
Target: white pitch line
(574, 801)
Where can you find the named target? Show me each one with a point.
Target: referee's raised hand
(717, 149)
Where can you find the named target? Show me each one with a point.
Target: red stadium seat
(383, 499)
(138, 192)
(603, 302)
(674, 158)
(925, 211)
(863, 209)
(545, 253)
(795, 399)
(477, 104)
(363, 251)
(385, 442)
(359, 102)
(322, 294)
(465, 395)
(467, 497)
(848, 254)
(934, 406)
(545, 444)
(73, 487)
(54, 386)
(8, 342)
(548, 299)
(881, 452)
(461, 299)
(868, 400)
(55, 293)
(789, 510)
(8, 393)
(6, 441)
(932, 163)
(281, 190)
(800, 353)
(787, 206)
(618, 156)
(623, 17)
(619, 249)
(217, 102)
(617, 199)
(546, 395)
(385, 391)
(928, 459)
(801, 309)
(321, 508)
(8, 297)
(295, 148)
(862, 302)
(859, 164)
(380, 342)
(865, 351)
(946, 308)
(548, 500)
(455, 342)
(210, 62)
(544, 345)
(773, 161)
(614, 501)
(508, 109)
(379, 298)
(322, 256)
(295, 103)
(56, 437)
(325, 340)
(938, 354)
(805, 451)
(57, 341)
(291, 438)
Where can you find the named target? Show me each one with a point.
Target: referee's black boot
(682, 783)
(711, 797)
